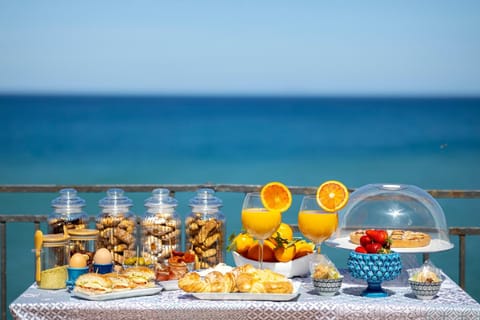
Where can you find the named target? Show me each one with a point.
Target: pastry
(246, 279)
(192, 282)
(399, 238)
(409, 239)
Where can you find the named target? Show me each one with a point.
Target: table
(451, 303)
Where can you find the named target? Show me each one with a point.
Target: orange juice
(317, 225)
(260, 223)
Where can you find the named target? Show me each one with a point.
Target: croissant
(244, 278)
(192, 282)
(249, 282)
(219, 282)
(263, 281)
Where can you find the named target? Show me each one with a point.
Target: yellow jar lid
(83, 232)
(54, 239)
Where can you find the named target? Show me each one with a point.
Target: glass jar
(54, 261)
(83, 241)
(205, 229)
(68, 212)
(117, 226)
(161, 227)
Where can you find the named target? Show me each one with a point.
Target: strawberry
(380, 236)
(373, 247)
(360, 249)
(364, 240)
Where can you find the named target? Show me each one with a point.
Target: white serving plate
(436, 245)
(118, 294)
(250, 296)
(295, 268)
(169, 285)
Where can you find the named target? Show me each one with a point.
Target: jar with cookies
(205, 229)
(116, 224)
(161, 226)
(67, 212)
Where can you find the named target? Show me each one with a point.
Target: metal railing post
(3, 266)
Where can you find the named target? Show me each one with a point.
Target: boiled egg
(78, 260)
(102, 256)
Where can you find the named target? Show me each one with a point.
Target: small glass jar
(68, 212)
(161, 227)
(83, 241)
(54, 261)
(205, 229)
(117, 226)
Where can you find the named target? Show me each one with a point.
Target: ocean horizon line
(246, 96)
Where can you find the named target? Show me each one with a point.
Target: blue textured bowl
(374, 268)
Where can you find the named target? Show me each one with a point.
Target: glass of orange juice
(259, 222)
(315, 223)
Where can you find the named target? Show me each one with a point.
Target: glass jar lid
(115, 198)
(161, 199)
(205, 198)
(68, 199)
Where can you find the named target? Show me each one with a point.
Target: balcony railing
(461, 232)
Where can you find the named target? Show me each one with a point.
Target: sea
(429, 142)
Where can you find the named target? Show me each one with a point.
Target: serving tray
(118, 294)
(250, 296)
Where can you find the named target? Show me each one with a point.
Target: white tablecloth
(451, 303)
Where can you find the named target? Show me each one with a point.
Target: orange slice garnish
(276, 196)
(332, 196)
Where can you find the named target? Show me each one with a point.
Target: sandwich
(120, 282)
(93, 283)
(140, 277)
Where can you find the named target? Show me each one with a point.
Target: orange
(332, 196)
(268, 254)
(283, 235)
(284, 231)
(302, 248)
(285, 254)
(276, 196)
(242, 243)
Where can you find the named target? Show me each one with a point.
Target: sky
(371, 47)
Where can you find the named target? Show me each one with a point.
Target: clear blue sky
(407, 47)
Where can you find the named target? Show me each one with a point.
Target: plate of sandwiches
(133, 282)
(402, 241)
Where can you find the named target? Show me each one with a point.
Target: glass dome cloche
(412, 217)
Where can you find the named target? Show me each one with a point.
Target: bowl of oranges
(282, 252)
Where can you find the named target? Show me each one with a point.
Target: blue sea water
(433, 143)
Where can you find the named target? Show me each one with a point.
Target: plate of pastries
(239, 283)
(402, 241)
(132, 282)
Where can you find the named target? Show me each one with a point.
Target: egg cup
(102, 268)
(73, 274)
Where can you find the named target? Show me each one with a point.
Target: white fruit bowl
(295, 268)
